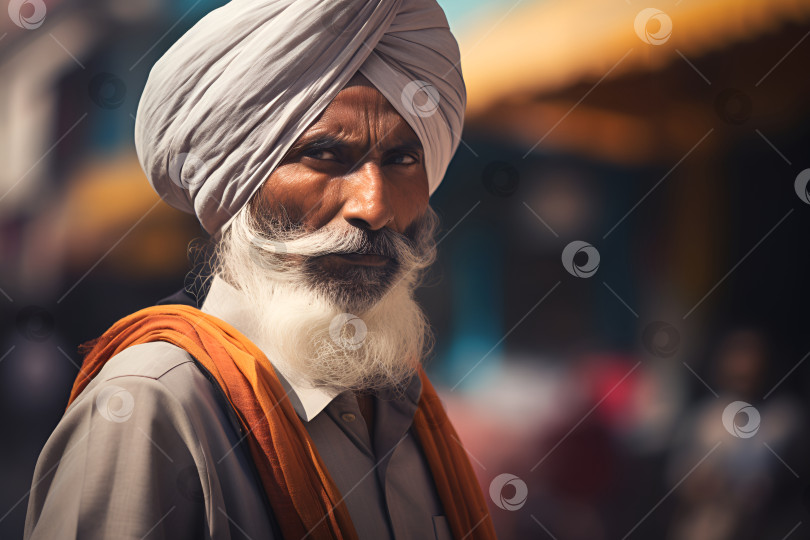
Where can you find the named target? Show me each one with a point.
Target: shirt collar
(230, 305)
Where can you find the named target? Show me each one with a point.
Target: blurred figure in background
(737, 452)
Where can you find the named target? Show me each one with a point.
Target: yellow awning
(546, 46)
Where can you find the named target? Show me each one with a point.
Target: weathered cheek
(410, 206)
(293, 189)
(419, 193)
(320, 200)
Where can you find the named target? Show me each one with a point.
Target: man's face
(342, 225)
(359, 166)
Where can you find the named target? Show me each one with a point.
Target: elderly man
(307, 137)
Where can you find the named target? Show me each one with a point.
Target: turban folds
(224, 104)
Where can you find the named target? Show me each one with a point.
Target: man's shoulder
(153, 368)
(166, 368)
(152, 360)
(160, 372)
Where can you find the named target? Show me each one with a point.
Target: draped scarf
(303, 496)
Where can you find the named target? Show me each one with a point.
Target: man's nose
(367, 205)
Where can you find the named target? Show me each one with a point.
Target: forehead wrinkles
(364, 115)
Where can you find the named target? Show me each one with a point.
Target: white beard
(365, 332)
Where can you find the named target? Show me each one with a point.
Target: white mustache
(275, 241)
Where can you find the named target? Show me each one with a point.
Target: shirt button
(348, 417)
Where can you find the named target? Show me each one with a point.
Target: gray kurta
(150, 450)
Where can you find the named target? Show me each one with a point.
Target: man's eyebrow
(409, 143)
(320, 141)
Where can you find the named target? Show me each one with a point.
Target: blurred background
(620, 302)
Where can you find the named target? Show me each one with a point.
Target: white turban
(224, 104)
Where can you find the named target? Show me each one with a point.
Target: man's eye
(321, 153)
(404, 159)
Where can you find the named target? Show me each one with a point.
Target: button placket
(345, 412)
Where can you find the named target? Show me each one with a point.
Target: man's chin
(352, 287)
(351, 297)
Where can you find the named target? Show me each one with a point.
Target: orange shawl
(303, 496)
